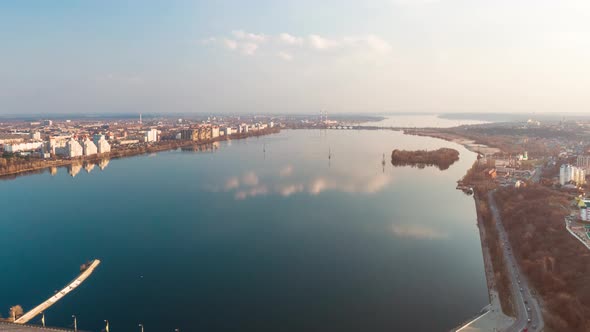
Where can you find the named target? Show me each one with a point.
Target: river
(260, 234)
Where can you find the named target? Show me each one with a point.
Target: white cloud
(248, 48)
(289, 190)
(209, 40)
(285, 56)
(418, 232)
(250, 179)
(320, 43)
(249, 44)
(378, 44)
(413, 2)
(252, 37)
(256, 191)
(232, 183)
(230, 44)
(290, 39)
(286, 171)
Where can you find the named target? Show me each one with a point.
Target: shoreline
(123, 153)
(492, 315)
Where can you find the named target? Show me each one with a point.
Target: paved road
(527, 308)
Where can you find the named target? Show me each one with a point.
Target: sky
(268, 56)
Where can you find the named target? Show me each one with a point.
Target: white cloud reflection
(286, 184)
(418, 232)
(286, 171)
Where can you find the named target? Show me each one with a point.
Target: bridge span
(59, 295)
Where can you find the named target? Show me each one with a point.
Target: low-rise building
(21, 147)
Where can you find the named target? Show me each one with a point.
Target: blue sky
(294, 56)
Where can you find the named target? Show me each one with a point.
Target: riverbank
(469, 144)
(38, 166)
(492, 316)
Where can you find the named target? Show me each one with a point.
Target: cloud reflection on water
(288, 183)
(418, 232)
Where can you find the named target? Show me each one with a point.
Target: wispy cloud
(289, 39)
(286, 171)
(285, 56)
(288, 46)
(250, 179)
(320, 43)
(253, 37)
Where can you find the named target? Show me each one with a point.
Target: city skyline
(294, 57)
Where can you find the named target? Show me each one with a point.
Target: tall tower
(140, 118)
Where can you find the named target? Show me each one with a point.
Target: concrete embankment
(492, 318)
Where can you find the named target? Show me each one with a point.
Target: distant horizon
(371, 117)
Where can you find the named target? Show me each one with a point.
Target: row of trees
(557, 265)
(492, 241)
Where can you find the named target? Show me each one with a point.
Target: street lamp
(141, 325)
(43, 318)
(75, 323)
(106, 328)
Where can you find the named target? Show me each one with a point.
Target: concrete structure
(189, 134)
(569, 173)
(59, 295)
(214, 131)
(19, 147)
(151, 135)
(47, 123)
(11, 327)
(73, 149)
(128, 141)
(583, 162)
(227, 131)
(584, 206)
(102, 146)
(35, 136)
(57, 144)
(204, 133)
(89, 148)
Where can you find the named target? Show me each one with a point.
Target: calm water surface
(263, 234)
(421, 121)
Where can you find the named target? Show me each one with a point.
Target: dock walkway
(59, 295)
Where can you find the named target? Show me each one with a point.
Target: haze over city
(294, 56)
